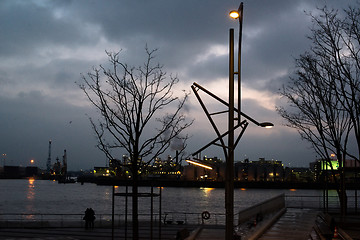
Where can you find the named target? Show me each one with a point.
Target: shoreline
(206, 184)
(215, 184)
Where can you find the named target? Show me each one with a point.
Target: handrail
(264, 208)
(59, 219)
(102, 219)
(194, 218)
(177, 217)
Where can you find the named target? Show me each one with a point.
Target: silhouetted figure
(86, 218)
(92, 218)
(89, 218)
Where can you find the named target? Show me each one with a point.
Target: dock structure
(271, 219)
(71, 233)
(294, 223)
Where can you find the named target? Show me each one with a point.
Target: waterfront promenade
(71, 233)
(294, 223)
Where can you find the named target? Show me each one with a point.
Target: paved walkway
(167, 232)
(295, 224)
(211, 234)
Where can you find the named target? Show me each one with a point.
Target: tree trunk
(343, 202)
(135, 217)
(135, 185)
(343, 196)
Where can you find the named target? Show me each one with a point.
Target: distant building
(213, 169)
(103, 172)
(16, 172)
(322, 170)
(32, 171)
(13, 172)
(195, 173)
(261, 170)
(300, 175)
(164, 169)
(205, 169)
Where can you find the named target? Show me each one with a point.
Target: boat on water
(63, 175)
(66, 180)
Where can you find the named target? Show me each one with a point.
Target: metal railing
(318, 202)
(267, 207)
(54, 220)
(60, 220)
(193, 218)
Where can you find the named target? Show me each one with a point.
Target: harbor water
(44, 196)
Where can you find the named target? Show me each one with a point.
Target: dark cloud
(45, 45)
(28, 27)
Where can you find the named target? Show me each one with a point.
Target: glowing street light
(199, 164)
(266, 125)
(234, 14)
(238, 14)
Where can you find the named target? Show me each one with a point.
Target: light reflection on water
(206, 191)
(41, 196)
(30, 196)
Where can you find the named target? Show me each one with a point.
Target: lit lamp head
(266, 125)
(198, 164)
(234, 14)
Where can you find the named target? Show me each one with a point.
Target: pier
(275, 218)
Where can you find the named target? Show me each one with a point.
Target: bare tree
(315, 112)
(130, 101)
(324, 94)
(336, 42)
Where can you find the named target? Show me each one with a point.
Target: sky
(46, 45)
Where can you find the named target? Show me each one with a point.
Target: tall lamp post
(232, 126)
(229, 178)
(229, 181)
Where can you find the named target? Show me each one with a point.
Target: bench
(182, 234)
(324, 226)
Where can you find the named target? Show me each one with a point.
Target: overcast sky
(46, 45)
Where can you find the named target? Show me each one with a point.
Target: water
(49, 197)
